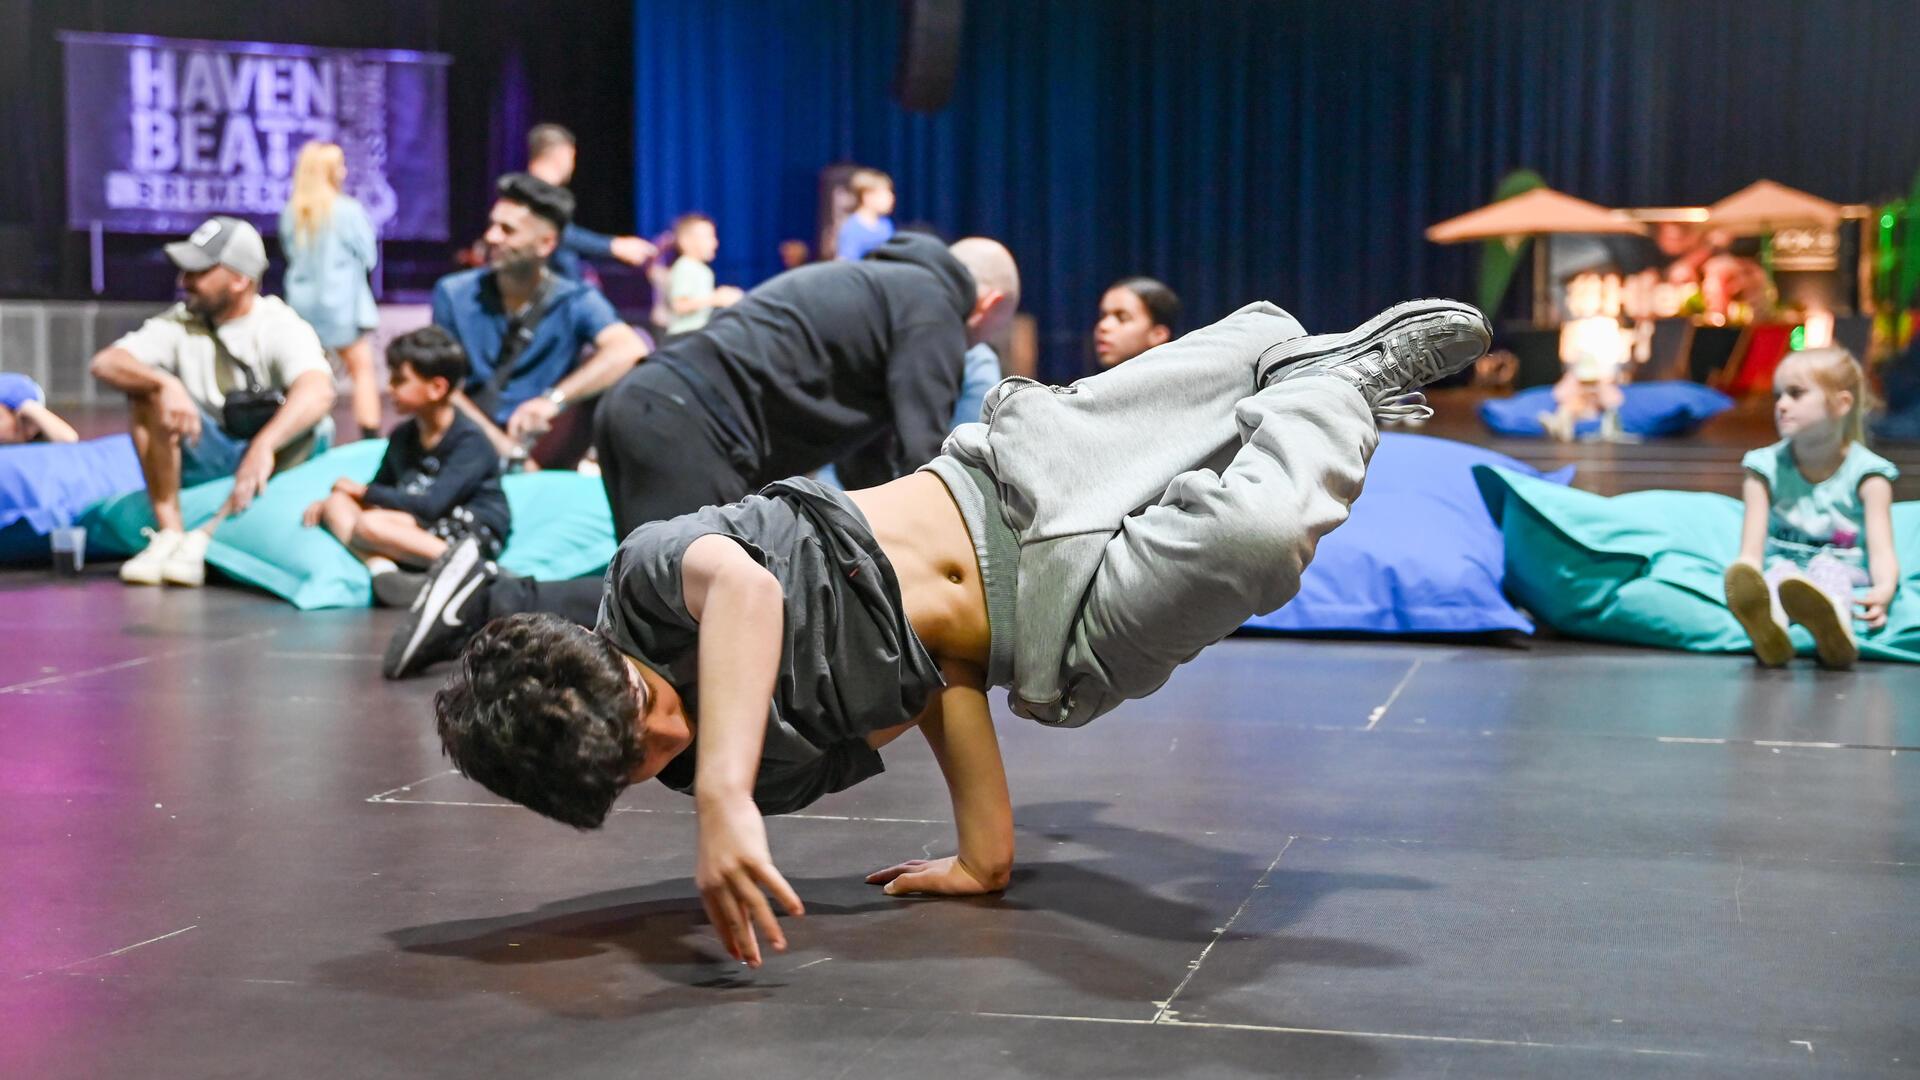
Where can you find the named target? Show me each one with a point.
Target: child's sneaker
(1748, 599)
(146, 568)
(186, 564)
(1822, 615)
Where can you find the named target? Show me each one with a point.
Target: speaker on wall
(929, 53)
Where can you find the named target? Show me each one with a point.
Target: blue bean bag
(562, 528)
(1419, 555)
(1650, 409)
(1646, 568)
(46, 486)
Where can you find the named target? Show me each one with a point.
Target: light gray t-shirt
(272, 340)
(689, 278)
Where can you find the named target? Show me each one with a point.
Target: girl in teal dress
(1817, 544)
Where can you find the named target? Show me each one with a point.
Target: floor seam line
(1380, 713)
(1285, 1029)
(122, 665)
(115, 952)
(1166, 1007)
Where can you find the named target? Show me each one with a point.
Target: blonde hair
(1835, 370)
(318, 174)
(864, 180)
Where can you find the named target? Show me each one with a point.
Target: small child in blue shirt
(1819, 517)
(868, 226)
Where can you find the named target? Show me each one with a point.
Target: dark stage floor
(231, 850)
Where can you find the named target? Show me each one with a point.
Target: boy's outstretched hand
(733, 867)
(935, 877)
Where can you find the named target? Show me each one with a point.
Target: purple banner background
(163, 133)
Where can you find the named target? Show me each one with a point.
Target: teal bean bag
(562, 528)
(1645, 568)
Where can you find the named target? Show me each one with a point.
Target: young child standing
(868, 226)
(438, 483)
(691, 293)
(1819, 520)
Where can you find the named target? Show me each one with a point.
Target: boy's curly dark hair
(540, 711)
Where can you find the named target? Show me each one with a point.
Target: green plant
(1499, 259)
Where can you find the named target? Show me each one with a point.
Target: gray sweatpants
(1160, 504)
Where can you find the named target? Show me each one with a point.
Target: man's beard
(522, 265)
(212, 309)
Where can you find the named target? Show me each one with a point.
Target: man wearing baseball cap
(224, 383)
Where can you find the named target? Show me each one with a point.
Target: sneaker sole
(1832, 639)
(1747, 598)
(1296, 352)
(426, 609)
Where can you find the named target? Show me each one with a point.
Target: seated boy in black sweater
(439, 481)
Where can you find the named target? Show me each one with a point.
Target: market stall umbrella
(1764, 206)
(1540, 212)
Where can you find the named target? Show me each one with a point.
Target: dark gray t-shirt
(849, 661)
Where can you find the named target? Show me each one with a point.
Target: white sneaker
(187, 564)
(147, 567)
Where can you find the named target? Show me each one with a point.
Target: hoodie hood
(929, 253)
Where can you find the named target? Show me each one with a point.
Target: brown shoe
(1747, 598)
(1832, 628)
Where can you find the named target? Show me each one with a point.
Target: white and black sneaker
(1390, 356)
(449, 610)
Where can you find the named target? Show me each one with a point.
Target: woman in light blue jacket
(329, 244)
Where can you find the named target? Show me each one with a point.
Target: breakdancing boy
(758, 655)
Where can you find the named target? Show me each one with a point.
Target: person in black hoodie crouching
(853, 364)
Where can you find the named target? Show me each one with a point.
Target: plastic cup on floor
(69, 551)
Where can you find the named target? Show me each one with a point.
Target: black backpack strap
(519, 335)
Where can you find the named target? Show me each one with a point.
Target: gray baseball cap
(222, 241)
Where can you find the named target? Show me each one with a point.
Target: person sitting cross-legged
(438, 483)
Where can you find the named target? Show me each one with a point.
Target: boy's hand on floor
(936, 877)
(734, 866)
(314, 513)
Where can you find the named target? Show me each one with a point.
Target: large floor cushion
(562, 528)
(1650, 409)
(1646, 568)
(1419, 555)
(47, 486)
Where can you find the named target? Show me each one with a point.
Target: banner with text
(163, 133)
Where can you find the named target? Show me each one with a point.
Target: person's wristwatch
(557, 396)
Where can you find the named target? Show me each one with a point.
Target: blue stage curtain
(1247, 150)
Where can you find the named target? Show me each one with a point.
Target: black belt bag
(244, 412)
